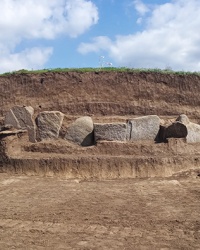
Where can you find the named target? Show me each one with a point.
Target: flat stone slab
(48, 125)
(81, 131)
(143, 128)
(22, 118)
(11, 119)
(110, 131)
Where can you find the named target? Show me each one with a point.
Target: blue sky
(39, 34)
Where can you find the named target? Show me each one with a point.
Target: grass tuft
(103, 69)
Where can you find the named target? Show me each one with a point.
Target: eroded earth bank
(100, 124)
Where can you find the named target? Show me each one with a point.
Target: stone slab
(193, 135)
(48, 125)
(110, 131)
(22, 118)
(143, 128)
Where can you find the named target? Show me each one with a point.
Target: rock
(48, 125)
(174, 130)
(183, 119)
(193, 132)
(81, 131)
(66, 123)
(22, 118)
(110, 131)
(143, 128)
(193, 129)
(11, 119)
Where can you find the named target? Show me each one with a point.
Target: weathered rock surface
(174, 130)
(11, 119)
(183, 119)
(110, 131)
(143, 128)
(22, 118)
(48, 125)
(193, 129)
(66, 123)
(81, 131)
(193, 132)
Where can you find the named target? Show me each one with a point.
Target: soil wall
(103, 93)
(107, 160)
(106, 96)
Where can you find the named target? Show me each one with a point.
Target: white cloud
(33, 58)
(171, 38)
(141, 8)
(42, 19)
(81, 15)
(46, 19)
(98, 44)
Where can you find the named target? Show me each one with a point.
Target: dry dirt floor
(51, 213)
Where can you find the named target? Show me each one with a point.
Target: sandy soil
(53, 213)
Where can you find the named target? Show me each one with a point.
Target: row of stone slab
(50, 125)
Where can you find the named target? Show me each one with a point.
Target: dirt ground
(53, 213)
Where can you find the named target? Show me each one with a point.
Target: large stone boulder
(81, 131)
(174, 130)
(143, 128)
(193, 132)
(48, 125)
(110, 131)
(193, 129)
(22, 118)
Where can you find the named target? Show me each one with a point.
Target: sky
(38, 34)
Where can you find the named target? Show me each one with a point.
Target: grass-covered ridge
(103, 69)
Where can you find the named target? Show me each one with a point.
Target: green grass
(103, 69)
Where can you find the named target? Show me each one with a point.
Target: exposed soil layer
(51, 213)
(103, 93)
(106, 97)
(106, 160)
